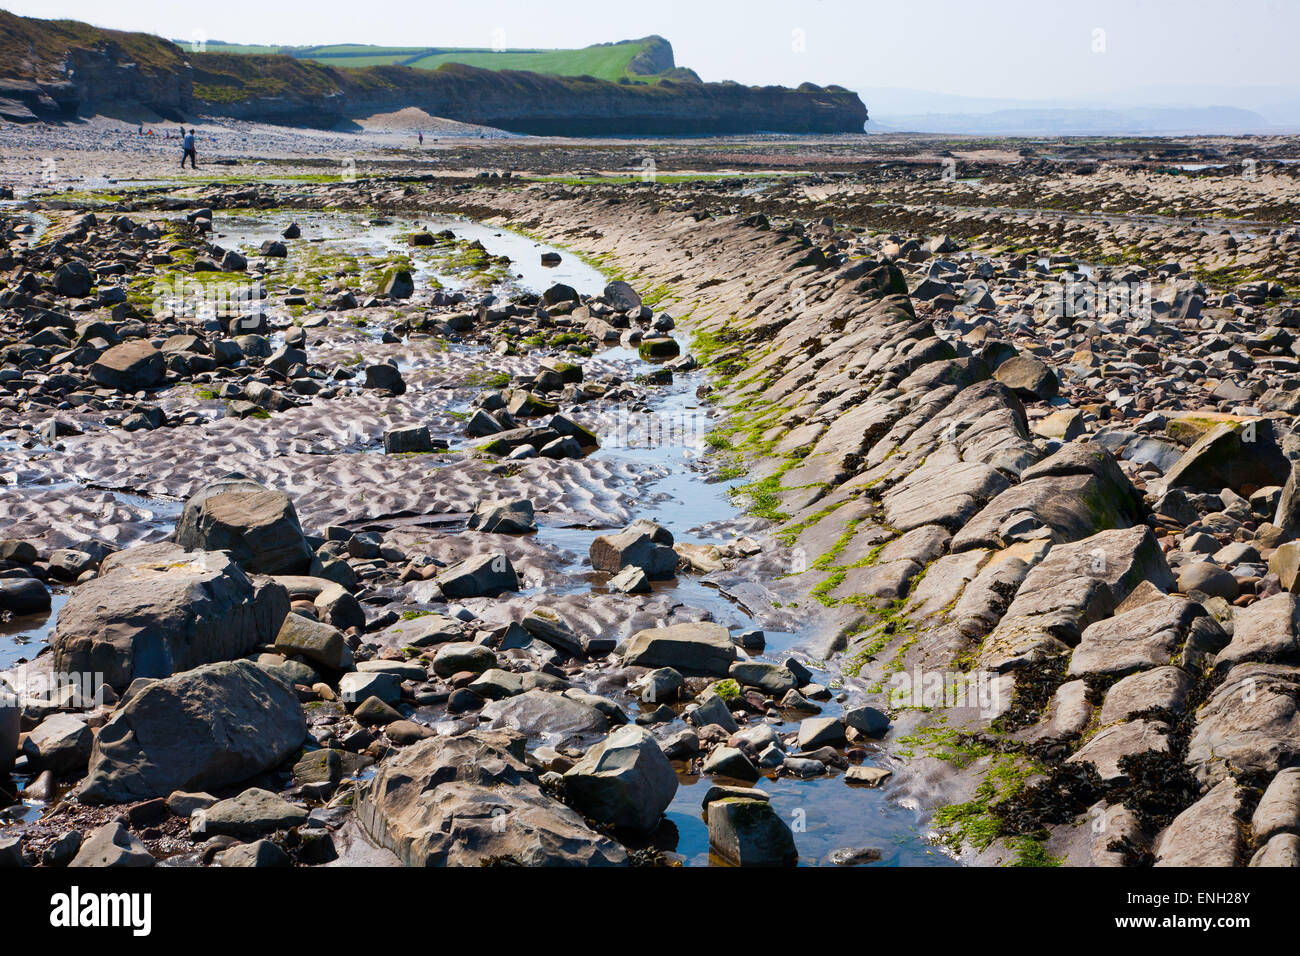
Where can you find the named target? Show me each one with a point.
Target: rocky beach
(788, 505)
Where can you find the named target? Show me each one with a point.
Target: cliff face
(521, 102)
(50, 69)
(101, 77)
(657, 57)
(53, 69)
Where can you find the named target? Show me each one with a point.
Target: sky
(1022, 49)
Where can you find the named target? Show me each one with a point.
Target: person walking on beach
(187, 144)
(421, 139)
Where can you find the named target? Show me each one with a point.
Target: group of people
(188, 140)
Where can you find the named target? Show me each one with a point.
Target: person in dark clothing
(187, 144)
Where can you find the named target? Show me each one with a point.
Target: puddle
(351, 234)
(1074, 271)
(39, 224)
(826, 813)
(22, 638)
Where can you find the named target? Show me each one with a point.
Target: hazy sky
(1026, 49)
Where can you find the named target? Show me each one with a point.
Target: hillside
(58, 69)
(645, 60)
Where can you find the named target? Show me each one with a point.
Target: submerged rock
(747, 832)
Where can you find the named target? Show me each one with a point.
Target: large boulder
(545, 624)
(1282, 850)
(483, 575)
(155, 610)
(1279, 808)
(130, 367)
(1206, 577)
(409, 440)
(1108, 747)
(314, 641)
(472, 800)
(1232, 455)
(385, 378)
(262, 853)
(460, 657)
(61, 744)
(942, 493)
(1266, 631)
(1028, 377)
(1285, 563)
(333, 603)
(560, 293)
(398, 284)
(257, 525)
(695, 648)
(1072, 494)
(621, 297)
(208, 728)
(23, 596)
(1147, 636)
(503, 517)
(624, 781)
(73, 279)
(642, 544)
(1206, 834)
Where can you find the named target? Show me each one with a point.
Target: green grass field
(612, 62)
(603, 62)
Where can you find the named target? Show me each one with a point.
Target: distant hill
(51, 70)
(648, 59)
(57, 69)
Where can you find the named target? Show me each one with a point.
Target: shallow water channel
(825, 813)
